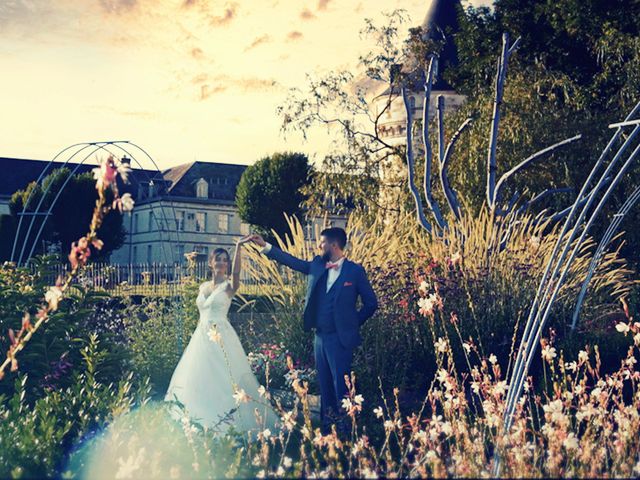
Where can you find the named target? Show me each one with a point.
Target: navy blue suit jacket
(351, 283)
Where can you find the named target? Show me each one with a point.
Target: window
(412, 103)
(201, 222)
(191, 220)
(202, 188)
(149, 253)
(151, 217)
(203, 251)
(223, 223)
(180, 220)
(245, 229)
(180, 253)
(136, 226)
(135, 254)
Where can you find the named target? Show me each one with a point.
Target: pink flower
(106, 173)
(80, 252)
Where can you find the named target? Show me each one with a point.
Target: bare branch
(501, 75)
(433, 65)
(452, 198)
(542, 195)
(528, 161)
(410, 165)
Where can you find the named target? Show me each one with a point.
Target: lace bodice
(216, 305)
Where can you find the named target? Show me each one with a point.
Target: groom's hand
(258, 240)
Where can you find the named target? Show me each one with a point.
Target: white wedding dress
(209, 368)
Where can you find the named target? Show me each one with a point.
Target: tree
(270, 188)
(70, 215)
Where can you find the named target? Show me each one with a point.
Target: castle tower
(440, 24)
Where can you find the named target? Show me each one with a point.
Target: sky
(185, 79)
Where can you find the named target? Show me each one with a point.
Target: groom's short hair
(335, 234)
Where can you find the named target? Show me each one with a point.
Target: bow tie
(335, 266)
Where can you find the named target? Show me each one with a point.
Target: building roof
(440, 24)
(223, 179)
(176, 182)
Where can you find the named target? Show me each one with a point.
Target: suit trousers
(333, 362)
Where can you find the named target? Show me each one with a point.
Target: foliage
(272, 186)
(270, 364)
(37, 436)
(158, 330)
(79, 196)
(56, 350)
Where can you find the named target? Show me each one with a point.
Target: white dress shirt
(332, 275)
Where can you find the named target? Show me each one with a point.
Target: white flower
(441, 345)
(378, 411)
(466, 346)
(572, 366)
(500, 388)
(346, 404)
(571, 442)
(548, 353)
(240, 396)
(53, 297)
(260, 474)
(456, 258)
(358, 399)
(214, 335)
(287, 462)
(266, 433)
(431, 456)
(280, 471)
(288, 421)
(534, 241)
(388, 424)
(126, 202)
(636, 339)
(262, 391)
(622, 328)
(583, 356)
(493, 359)
(424, 287)
(174, 472)
(426, 306)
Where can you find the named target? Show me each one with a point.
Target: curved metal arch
(99, 146)
(26, 203)
(171, 204)
(602, 246)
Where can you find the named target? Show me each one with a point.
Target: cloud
(207, 90)
(322, 4)
(294, 36)
(307, 14)
(230, 12)
(214, 18)
(258, 41)
(210, 86)
(118, 6)
(197, 53)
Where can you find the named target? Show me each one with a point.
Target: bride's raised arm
(236, 266)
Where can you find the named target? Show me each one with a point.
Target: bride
(213, 380)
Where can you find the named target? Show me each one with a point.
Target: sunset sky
(187, 79)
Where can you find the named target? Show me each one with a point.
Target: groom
(333, 286)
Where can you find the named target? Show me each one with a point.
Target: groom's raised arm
(284, 258)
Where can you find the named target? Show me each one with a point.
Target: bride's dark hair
(221, 251)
